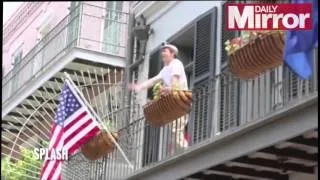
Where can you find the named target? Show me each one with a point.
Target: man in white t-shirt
(173, 76)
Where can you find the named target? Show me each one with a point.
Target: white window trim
(16, 50)
(102, 25)
(40, 29)
(46, 18)
(44, 22)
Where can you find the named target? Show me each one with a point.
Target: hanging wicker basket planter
(258, 55)
(99, 145)
(168, 108)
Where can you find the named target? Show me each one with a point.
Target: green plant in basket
(109, 125)
(156, 90)
(236, 43)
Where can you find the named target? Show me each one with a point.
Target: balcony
(223, 108)
(88, 27)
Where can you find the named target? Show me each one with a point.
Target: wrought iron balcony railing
(86, 26)
(234, 105)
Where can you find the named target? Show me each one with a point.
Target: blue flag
(299, 45)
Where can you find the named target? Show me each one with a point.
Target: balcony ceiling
(295, 155)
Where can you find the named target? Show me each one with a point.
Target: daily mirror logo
(268, 16)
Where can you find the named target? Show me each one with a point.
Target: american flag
(74, 125)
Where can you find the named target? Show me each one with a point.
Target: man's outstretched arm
(145, 85)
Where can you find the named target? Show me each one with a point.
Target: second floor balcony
(223, 108)
(90, 26)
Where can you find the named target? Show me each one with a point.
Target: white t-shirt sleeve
(177, 68)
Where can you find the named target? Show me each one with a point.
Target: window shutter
(204, 59)
(229, 86)
(150, 145)
(151, 134)
(228, 102)
(202, 47)
(225, 35)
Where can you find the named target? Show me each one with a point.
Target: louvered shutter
(225, 35)
(229, 87)
(204, 60)
(151, 134)
(150, 145)
(229, 102)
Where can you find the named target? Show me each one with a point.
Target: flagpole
(98, 118)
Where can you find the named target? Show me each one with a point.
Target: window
(17, 56)
(112, 27)
(43, 31)
(44, 25)
(74, 19)
(16, 62)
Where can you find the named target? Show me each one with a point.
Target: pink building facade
(41, 33)
(23, 29)
(41, 41)
(33, 20)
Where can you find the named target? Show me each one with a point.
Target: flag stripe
(55, 131)
(57, 174)
(48, 170)
(74, 115)
(59, 139)
(66, 127)
(77, 131)
(72, 129)
(54, 169)
(49, 163)
(55, 134)
(80, 134)
(74, 125)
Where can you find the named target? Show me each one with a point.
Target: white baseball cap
(172, 47)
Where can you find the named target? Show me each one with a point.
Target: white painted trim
(99, 57)
(145, 8)
(137, 5)
(216, 111)
(162, 11)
